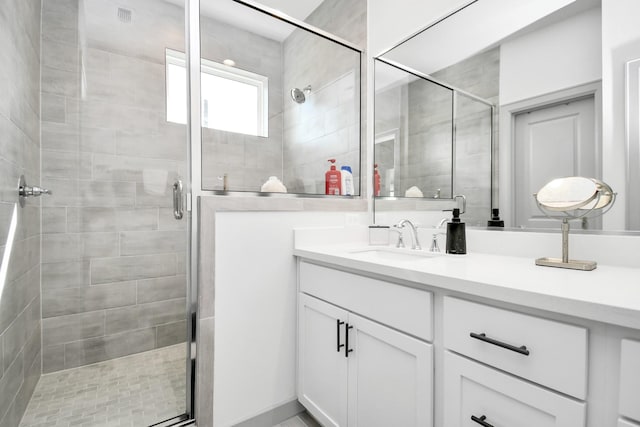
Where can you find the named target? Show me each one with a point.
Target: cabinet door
(630, 379)
(322, 366)
(390, 377)
(501, 400)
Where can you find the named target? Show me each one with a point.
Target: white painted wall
(392, 21)
(559, 56)
(620, 43)
(255, 326)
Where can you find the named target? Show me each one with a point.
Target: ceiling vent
(124, 15)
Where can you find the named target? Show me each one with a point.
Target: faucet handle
(400, 243)
(434, 242)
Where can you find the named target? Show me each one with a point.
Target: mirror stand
(565, 262)
(574, 198)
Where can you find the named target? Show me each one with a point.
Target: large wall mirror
(561, 79)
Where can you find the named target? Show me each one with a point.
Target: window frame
(260, 82)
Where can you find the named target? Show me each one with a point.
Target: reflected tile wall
(247, 160)
(479, 75)
(327, 125)
(20, 347)
(112, 284)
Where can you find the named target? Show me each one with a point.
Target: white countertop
(608, 294)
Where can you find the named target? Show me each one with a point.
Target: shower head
(300, 95)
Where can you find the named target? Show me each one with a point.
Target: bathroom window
(233, 100)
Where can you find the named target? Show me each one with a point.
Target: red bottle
(376, 180)
(333, 180)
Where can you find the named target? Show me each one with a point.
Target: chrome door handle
(178, 213)
(25, 191)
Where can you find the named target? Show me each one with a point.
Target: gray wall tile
(162, 288)
(171, 333)
(68, 274)
(111, 219)
(63, 329)
(158, 313)
(73, 246)
(54, 220)
(108, 347)
(150, 242)
(61, 302)
(10, 384)
(107, 270)
(52, 358)
(20, 331)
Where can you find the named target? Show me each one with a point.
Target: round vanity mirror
(576, 197)
(605, 196)
(568, 194)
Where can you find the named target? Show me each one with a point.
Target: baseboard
(274, 416)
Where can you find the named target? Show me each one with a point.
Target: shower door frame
(194, 191)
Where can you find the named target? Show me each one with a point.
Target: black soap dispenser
(456, 235)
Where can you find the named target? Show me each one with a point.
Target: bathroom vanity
(407, 338)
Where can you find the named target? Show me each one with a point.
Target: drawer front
(557, 353)
(406, 309)
(501, 400)
(630, 379)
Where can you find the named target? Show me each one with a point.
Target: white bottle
(347, 181)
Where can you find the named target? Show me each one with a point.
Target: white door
(552, 142)
(476, 395)
(322, 365)
(390, 377)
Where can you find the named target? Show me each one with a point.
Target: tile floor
(301, 420)
(137, 390)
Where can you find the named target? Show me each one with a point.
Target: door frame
(506, 150)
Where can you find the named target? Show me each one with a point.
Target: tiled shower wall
(424, 111)
(20, 352)
(247, 160)
(479, 75)
(327, 125)
(113, 257)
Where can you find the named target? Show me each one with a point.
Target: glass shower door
(114, 245)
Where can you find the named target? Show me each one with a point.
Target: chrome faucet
(434, 238)
(415, 243)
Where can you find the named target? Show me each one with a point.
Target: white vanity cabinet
(478, 395)
(548, 353)
(629, 400)
(355, 371)
(438, 344)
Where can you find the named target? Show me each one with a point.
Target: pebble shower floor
(137, 390)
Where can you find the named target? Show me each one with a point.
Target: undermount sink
(394, 254)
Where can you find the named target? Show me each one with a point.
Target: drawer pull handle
(338, 345)
(347, 350)
(485, 338)
(481, 420)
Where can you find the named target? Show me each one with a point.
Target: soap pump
(456, 235)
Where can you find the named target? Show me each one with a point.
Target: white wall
(392, 21)
(255, 306)
(620, 43)
(559, 56)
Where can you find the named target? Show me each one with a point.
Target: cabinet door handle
(483, 337)
(481, 420)
(347, 350)
(338, 345)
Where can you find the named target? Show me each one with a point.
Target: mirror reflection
(277, 101)
(432, 140)
(555, 71)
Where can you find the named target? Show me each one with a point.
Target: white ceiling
(241, 16)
